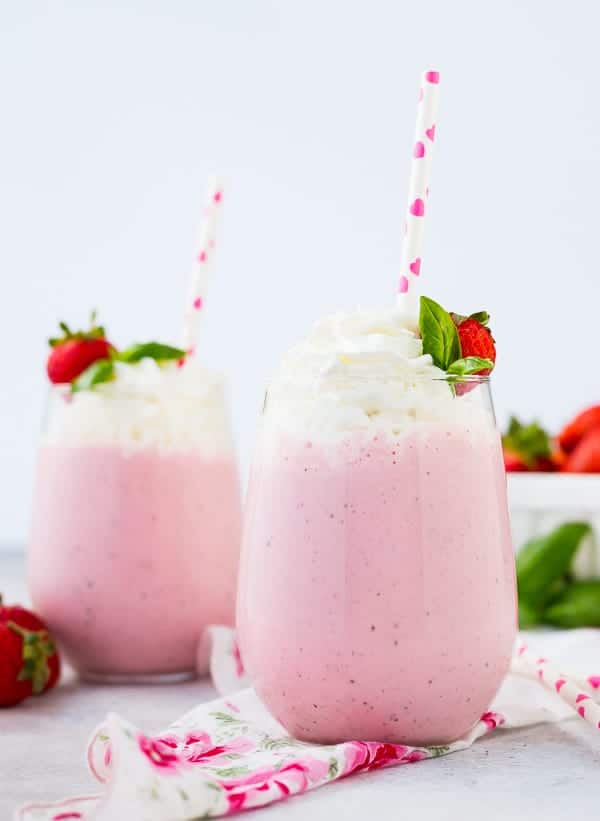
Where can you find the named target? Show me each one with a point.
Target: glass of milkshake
(136, 519)
(377, 595)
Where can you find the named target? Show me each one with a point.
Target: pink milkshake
(377, 596)
(136, 522)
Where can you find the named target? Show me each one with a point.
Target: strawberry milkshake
(136, 517)
(377, 596)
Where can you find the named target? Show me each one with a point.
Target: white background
(115, 113)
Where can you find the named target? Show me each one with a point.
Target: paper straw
(569, 690)
(205, 249)
(420, 175)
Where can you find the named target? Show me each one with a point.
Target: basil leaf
(150, 350)
(528, 616)
(543, 562)
(102, 370)
(578, 606)
(470, 365)
(438, 333)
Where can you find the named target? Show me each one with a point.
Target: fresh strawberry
(475, 339)
(573, 433)
(29, 662)
(586, 456)
(75, 351)
(513, 463)
(547, 464)
(558, 458)
(70, 359)
(527, 447)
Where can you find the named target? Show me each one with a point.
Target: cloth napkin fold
(230, 755)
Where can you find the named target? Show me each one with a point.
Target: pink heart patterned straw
(420, 175)
(527, 664)
(205, 249)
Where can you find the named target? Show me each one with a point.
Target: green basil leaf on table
(528, 616)
(577, 606)
(543, 562)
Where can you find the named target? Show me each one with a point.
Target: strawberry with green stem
(460, 345)
(527, 448)
(29, 662)
(475, 338)
(74, 352)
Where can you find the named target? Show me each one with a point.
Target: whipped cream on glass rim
(146, 405)
(365, 371)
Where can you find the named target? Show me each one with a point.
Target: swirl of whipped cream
(146, 405)
(362, 371)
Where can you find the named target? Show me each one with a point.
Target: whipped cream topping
(364, 371)
(147, 405)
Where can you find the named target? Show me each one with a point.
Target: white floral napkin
(230, 754)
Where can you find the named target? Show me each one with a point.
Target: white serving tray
(539, 502)
(554, 491)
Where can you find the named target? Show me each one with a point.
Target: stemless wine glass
(136, 529)
(377, 590)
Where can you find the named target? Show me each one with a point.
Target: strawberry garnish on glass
(74, 351)
(463, 346)
(475, 338)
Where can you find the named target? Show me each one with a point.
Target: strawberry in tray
(578, 428)
(585, 456)
(75, 351)
(527, 448)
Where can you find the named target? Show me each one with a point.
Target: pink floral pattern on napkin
(235, 764)
(224, 757)
(230, 755)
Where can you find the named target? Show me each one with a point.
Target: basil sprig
(439, 335)
(547, 592)
(103, 370)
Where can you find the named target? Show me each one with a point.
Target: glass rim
(63, 392)
(471, 378)
(474, 379)
(449, 379)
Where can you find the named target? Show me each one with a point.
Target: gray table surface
(548, 771)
